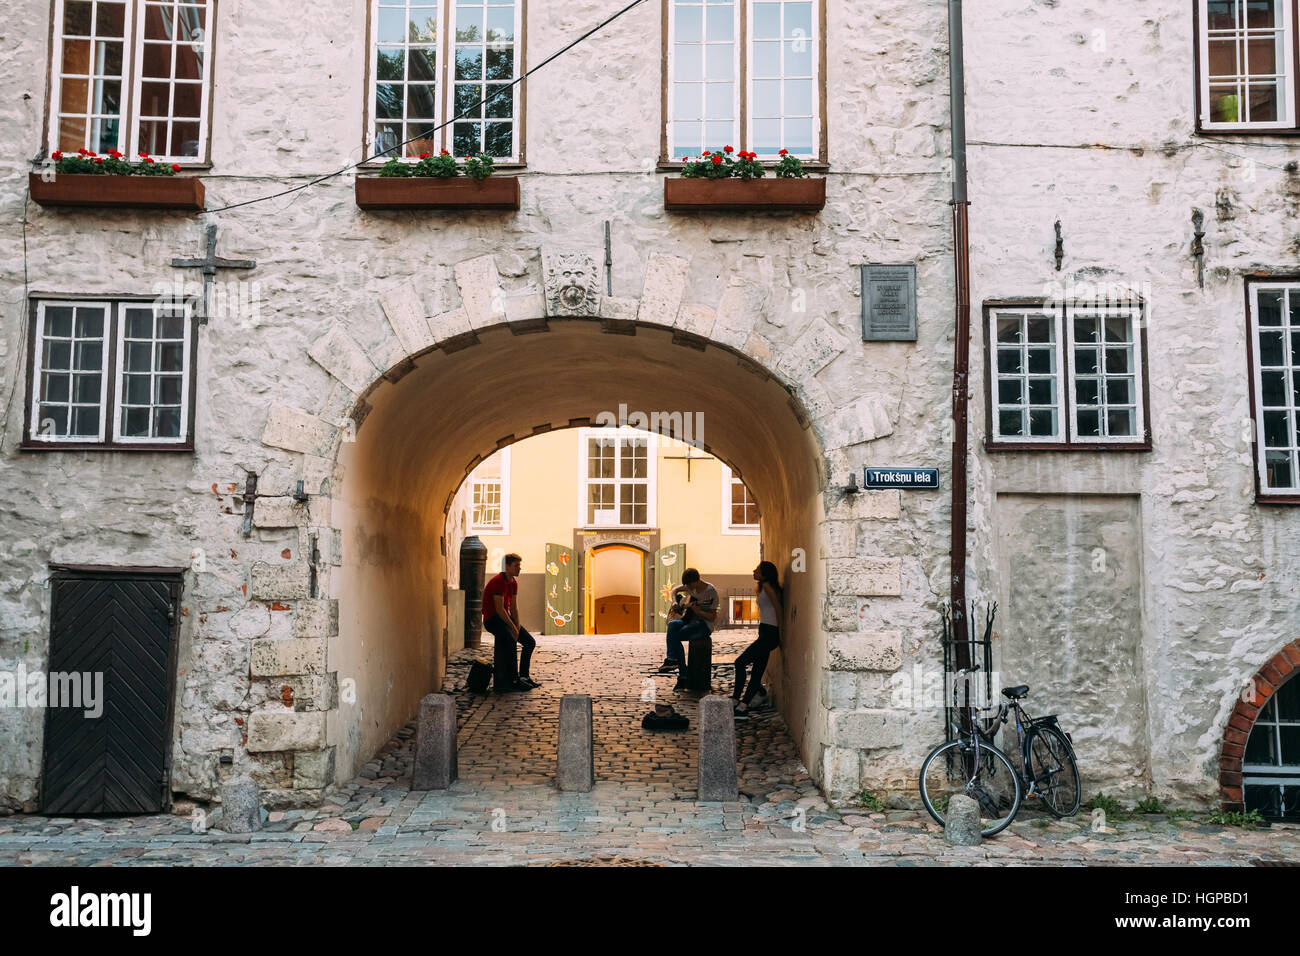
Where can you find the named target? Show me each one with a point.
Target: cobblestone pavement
(504, 810)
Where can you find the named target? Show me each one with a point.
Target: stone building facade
(1140, 588)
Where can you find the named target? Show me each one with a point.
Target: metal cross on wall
(688, 458)
(210, 264)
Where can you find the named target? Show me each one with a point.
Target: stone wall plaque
(889, 303)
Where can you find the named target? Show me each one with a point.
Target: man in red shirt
(501, 618)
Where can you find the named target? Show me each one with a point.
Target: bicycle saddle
(1015, 693)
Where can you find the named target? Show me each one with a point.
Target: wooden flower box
(431, 192)
(754, 195)
(129, 192)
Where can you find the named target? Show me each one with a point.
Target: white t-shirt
(706, 600)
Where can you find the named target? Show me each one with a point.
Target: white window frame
(504, 482)
(736, 78)
(38, 360)
(742, 101)
(815, 43)
(444, 85)
(119, 376)
(1139, 386)
(448, 136)
(1062, 315)
(1055, 312)
(728, 478)
(205, 83)
(1289, 288)
(651, 480)
(1290, 771)
(1290, 87)
(128, 127)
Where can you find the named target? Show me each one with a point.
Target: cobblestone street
(504, 810)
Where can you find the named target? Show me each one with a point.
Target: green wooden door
(670, 562)
(562, 590)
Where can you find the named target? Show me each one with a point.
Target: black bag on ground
(480, 675)
(663, 717)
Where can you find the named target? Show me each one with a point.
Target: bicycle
(973, 766)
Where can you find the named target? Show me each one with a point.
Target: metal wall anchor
(1060, 246)
(1198, 247)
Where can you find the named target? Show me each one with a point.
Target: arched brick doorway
(1235, 771)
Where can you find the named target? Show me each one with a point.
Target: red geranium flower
(727, 149)
(56, 155)
(425, 155)
(147, 159)
(175, 168)
(784, 152)
(99, 159)
(717, 160)
(705, 153)
(446, 153)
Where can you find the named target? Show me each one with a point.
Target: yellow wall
(543, 506)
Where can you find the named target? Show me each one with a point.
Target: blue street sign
(901, 478)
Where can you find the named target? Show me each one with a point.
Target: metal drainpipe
(961, 351)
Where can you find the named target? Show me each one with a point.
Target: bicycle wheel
(1053, 770)
(951, 769)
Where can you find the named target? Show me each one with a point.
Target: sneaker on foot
(740, 713)
(760, 700)
(521, 684)
(530, 682)
(669, 665)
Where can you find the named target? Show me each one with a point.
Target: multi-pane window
(765, 101)
(1275, 335)
(617, 480)
(152, 54)
(414, 91)
(113, 374)
(490, 494)
(1271, 765)
(739, 510)
(1067, 375)
(1247, 64)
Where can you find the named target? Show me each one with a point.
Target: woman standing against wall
(767, 587)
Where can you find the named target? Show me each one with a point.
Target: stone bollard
(962, 823)
(717, 749)
(577, 762)
(241, 806)
(435, 744)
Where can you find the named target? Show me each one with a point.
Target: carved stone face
(572, 284)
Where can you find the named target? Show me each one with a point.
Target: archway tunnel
(427, 430)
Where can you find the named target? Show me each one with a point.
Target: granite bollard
(576, 756)
(241, 806)
(435, 744)
(717, 749)
(962, 823)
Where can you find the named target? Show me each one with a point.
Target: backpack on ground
(480, 675)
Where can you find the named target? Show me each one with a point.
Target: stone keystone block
(614, 307)
(293, 430)
(866, 651)
(961, 825)
(741, 306)
(279, 582)
(577, 766)
(665, 284)
(435, 744)
(406, 314)
(480, 291)
(297, 655)
(339, 355)
(866, 577)
(241, 806)
(449, 325)
(526, 307)
(273, 732)
(696, 319)
(718, 780)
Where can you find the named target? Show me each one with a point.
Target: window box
(429, 192)
(129, 192)
(731, 195)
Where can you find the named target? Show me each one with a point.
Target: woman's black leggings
(769, 639)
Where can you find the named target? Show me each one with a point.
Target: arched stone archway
(418, 401)
(1278, 670)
